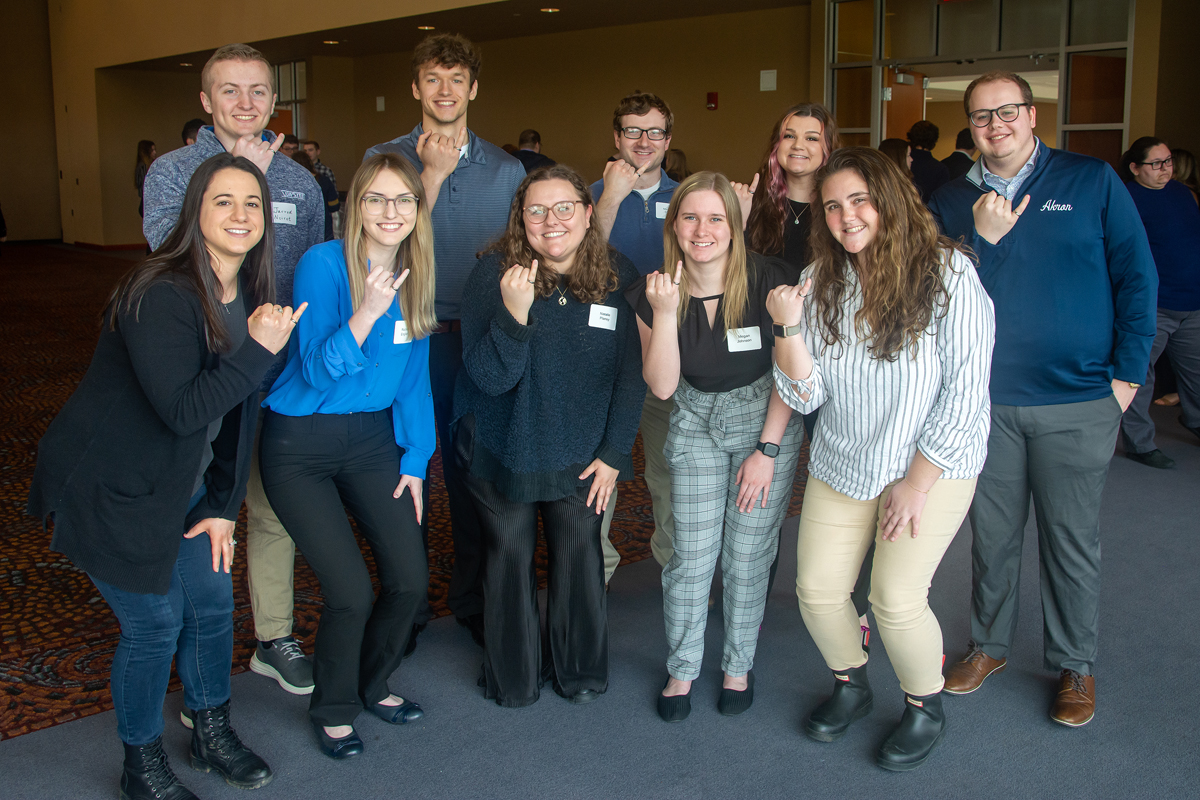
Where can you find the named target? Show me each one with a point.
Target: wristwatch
(769, 450)
(1133, 385)
(784, 331)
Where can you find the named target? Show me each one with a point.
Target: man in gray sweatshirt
(237, 88)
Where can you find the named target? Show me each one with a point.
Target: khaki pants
(835, 532)
(270, 557)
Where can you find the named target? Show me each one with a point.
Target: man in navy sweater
(1063, 254)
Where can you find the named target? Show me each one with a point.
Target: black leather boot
(852, 699)
(216, 746)
(148, 776)
(919, 731)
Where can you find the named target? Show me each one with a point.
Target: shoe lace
(974, 652)
(158, 774)
(1077, 681)
(220, 736)
(289, 649)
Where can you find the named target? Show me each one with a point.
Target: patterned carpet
(57, 635)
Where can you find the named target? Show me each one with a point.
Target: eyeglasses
(375, 205)
(1006, 113)
(1157, 165)
(564, 210)
(653, 134)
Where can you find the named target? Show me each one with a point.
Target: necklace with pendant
(562, 296)
(794, 214)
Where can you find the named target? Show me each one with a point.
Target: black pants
(465, 596)
(576, 607)
(311, 466)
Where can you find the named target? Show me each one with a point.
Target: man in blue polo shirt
(470, 184)
(631, 204)
(1064, 257)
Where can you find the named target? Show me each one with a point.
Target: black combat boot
(216, 746)
(148, 776)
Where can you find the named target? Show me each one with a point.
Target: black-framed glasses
(980, 118)
(563, 209)
(375, 205)
(653, 134)
(1160, 164)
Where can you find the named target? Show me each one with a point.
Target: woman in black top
(153, 450)
(732, 443)
(546, 410)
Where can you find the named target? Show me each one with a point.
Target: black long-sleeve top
(551, 396)
(118, 464)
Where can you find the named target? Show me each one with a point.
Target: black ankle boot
(852, 699)
(919, 731)
(216, 746)
(148, 776)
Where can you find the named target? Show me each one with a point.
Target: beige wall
(1177, 111)
(331, 116)
(572, 107)
(29, 180)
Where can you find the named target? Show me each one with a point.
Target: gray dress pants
(1178, 334)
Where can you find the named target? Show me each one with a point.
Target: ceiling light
(331, 41)
(424, 27)
(185, 63)
(549, 10)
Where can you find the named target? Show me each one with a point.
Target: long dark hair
(592, 276)
(1136, 154)
(184, 259)
(900, 271)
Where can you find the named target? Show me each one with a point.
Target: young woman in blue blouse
(350, 426)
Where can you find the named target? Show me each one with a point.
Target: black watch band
(784, 331)
(769, 450)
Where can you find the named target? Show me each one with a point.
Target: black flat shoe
(676, 708)
(406, 712)
(346, 747)
(733, 702)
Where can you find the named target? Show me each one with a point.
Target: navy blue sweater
(1073, 282)
(1172, 222)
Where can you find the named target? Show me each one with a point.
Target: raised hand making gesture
(662, 290)
(745, 196)
(379, 293)
(439, 154)
(995, 216)
(785, 303)
(271, 325)
(517, 289)
(258, 150)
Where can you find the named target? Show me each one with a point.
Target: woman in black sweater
(547, 408)
(153, 450)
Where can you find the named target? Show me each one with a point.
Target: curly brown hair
(900, 271)
(639, 103)
(447, 50)
(592, 276)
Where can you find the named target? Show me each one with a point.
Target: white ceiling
(1044, 85)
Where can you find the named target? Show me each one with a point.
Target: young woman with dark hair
(349, 427)
(890, 334)
(899, 152)
(732, 443)
(546, 412)
(144, 470)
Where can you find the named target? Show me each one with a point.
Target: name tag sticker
(660, 210)
(743, 339)
(401, 335)
(284, 213)
(603, 317)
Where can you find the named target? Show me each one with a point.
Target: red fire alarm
(711, 105)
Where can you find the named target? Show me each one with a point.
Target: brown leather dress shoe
(1076, 701)
(969, 674)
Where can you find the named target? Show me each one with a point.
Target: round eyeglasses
(1007, 113)
(375, 205)
(564, 210)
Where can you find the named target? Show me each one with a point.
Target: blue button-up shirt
(1008, 187)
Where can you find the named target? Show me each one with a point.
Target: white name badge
(660, 210)
(603, 317)
(742, 339)
(401, 336)
(283, 213)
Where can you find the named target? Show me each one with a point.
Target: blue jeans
(192, 623)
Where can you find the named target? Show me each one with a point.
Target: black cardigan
(119, 462)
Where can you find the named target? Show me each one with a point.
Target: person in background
(191, 130)
(675, 164)
(145, 157)
(328, 191)
(891, 334)
(144, 469)
(928, 173)
(349, 427)
(963, 157)
(313, 148)
(733, 442)
(291, 143)
(1172, 219)
(899, 152)
(469, 184)
(530, 151)
(1186, 171)
(546, 412)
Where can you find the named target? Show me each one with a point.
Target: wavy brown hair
(900, 271)
(415, 253)
(770, 209)
(592, 276)
(736, 278)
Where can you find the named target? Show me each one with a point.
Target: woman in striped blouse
(890, 333)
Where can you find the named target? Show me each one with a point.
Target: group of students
(707, 313)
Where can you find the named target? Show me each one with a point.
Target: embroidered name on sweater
(1050, 205)
(290, 194)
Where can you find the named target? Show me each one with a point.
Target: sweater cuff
(509, 325)
(611, 455)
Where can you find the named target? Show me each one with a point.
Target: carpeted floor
(57, 635)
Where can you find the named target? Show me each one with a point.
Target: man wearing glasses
(1064, 257)
(470, 184)
(631, 204)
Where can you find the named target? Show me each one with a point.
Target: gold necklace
(562, 296)
(794, 214)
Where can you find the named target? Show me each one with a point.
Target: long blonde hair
(415, 252)
(737, 290)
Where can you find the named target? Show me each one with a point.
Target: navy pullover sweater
(1172, 222)
(1073, 282)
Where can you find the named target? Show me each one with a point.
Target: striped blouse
(876, 414)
